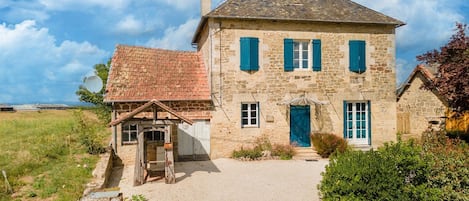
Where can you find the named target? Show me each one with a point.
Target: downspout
(221, 85)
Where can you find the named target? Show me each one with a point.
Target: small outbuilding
(417, 107)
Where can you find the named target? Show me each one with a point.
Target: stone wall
(420, 106)
(195, 110)
(270, 85)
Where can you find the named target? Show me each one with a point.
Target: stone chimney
(205, 7)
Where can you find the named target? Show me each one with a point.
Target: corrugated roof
(343, 11)
(143, 74)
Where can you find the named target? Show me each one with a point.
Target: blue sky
(47, 47)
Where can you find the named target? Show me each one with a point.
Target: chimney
(205, 7)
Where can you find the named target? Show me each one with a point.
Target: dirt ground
(228, 179)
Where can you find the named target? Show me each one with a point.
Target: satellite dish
(93, 83)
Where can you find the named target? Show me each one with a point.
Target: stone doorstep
(306, 153)
(362, 147)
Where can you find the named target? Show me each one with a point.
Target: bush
(395, 172)
(449, 167)
(247, 153)
(88, 135)
(326, 144)
(285, 152)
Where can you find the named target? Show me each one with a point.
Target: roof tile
(143, 74)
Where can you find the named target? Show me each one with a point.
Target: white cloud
(181, 4)
(176, 38)
(129, 25)
(429, 24)
(31, 61)
(74, 4)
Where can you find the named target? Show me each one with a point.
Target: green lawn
(43, 155)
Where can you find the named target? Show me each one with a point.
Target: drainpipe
(114, 128)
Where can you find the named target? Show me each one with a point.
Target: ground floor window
(357, 122)
(250, 114)
(129, 133)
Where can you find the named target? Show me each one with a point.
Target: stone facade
(417, 106)
(220, 45)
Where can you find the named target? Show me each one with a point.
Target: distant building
(6, 108)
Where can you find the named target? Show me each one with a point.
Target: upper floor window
(129, 133)
(357, 56)
(250, 114)
(249, 52)
(302, 54)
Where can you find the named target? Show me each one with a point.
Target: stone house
(418, 108)
(278, 68)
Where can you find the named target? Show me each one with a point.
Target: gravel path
(228, 179)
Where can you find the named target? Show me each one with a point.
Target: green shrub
(87, 132)
(450, 165)
(285, 152)
(397, 171)
(326, 144)
(247, 153)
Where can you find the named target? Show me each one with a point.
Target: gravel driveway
(228, 179)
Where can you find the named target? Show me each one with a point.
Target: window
(357, 56)
(249, 52)
(357, 122)
(250, 114)
(129, 133)
(154, 136)
(302, 54)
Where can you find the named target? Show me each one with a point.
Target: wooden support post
(170, 176)
(140, 163)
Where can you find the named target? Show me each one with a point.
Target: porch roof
(152, 103)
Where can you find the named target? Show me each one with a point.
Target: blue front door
(300, 126)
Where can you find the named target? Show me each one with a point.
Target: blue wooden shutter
(357, 56)
(316, 55)
(288, 54)
(249, 52)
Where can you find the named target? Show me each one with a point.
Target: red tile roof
(143, 74)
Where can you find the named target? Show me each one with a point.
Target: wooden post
(8, 187)
(140, 164)
(170, 177)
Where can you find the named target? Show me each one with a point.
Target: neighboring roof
(428, 77)
(140, 74)
(152, 103)
(343, 11)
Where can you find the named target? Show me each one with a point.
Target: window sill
(250, 126)
(129, 143)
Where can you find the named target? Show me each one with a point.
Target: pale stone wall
(421, 105)
(271, 85)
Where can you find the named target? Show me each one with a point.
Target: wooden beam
(170, 177)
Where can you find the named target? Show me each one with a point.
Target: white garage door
(194, 140)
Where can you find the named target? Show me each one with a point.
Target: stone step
(306, 153)
(362, 147)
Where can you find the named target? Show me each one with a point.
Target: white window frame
(357, 118)
(247, 114)
(126, 130)
(297, 46)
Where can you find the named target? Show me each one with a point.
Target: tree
(102, 110)
(452, 79)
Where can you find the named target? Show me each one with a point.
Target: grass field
(44, 155)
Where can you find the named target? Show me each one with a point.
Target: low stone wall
(101, 175)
